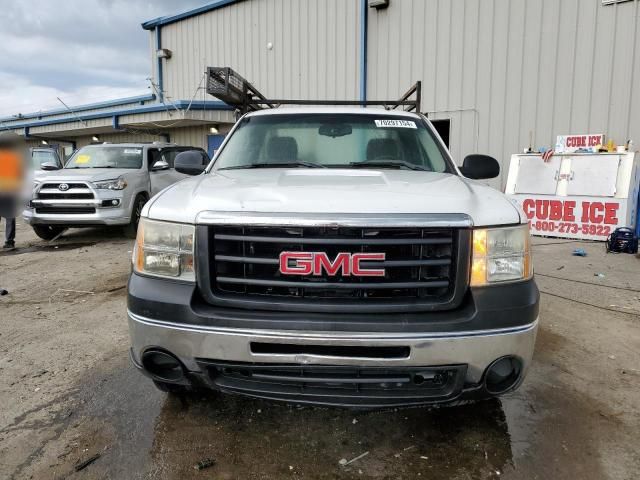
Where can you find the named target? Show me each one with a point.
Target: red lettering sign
(319, 263)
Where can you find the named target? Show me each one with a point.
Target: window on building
(443, 127)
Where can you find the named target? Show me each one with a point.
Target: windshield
(106, 156)
(40, 157)
(332, 141)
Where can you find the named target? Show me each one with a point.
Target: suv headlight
(164, 249)
(501, 255)
(118, 184)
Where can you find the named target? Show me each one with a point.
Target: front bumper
(168, 316)
(103, 214)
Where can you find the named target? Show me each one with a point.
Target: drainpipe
(363, 49)
(159, 64)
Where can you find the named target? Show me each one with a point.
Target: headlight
(501, 255)
(164, 249)
(118, 184)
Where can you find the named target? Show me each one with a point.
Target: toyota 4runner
(334, 256)
(104, 184)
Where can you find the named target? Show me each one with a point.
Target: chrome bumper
(476, 349)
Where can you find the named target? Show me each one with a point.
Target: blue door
(213, 144)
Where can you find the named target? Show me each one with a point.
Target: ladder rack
(230, 87)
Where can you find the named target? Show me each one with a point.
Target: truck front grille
(420, 266)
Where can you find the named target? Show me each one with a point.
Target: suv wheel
(131, 230)
(47, 232)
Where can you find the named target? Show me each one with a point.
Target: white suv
(105, 184)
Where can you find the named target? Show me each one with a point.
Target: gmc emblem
(315, 263)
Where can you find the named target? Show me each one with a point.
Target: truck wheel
(170, 388)
(131, 230)
(47, 232)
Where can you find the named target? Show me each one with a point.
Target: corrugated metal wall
(500, 69)
(315, 48)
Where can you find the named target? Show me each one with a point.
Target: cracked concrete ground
(67, 391)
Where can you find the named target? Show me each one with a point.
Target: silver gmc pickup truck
(105, 184)
(334, 256)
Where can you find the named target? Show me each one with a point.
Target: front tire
(131, 230)
(47, 232)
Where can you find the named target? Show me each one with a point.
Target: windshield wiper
(275, 165)
(388, 164)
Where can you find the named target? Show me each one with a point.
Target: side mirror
(189, 163)
(160, 165)
(480, 167)
(49, 166)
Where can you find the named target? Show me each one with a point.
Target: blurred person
(11, 183)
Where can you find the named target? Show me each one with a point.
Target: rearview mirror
(160, 165)
(479, 167)
(49, 166)
(334, 130)
(189, 163)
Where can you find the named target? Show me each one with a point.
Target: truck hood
(300, 191)
(86, 174)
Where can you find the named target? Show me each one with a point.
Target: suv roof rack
(227, 85)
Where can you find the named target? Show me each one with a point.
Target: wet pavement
(576, 416)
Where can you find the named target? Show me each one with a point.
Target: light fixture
(44, 142)
(213, 130)
(378, 4)
(164, 53)
(95, 139)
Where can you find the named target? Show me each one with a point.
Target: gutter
(180, 105)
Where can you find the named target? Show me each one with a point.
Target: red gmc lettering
(358, 270)
(317, 263)
(302, 263)
(340, 263)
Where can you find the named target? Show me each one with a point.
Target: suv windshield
(332, 141)
(106, 156)
(40, 157)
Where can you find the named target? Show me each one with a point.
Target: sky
(82, 51)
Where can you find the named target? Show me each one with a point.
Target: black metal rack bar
(230, 87)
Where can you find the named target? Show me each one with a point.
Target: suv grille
(80, 191)
(420, 265)
(50, 192)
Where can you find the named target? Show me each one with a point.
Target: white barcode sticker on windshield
(132, 151)
(395, 124)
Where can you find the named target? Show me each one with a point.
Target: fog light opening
(162, 366)
(502, 375)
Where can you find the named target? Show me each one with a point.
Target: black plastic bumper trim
(495, 307)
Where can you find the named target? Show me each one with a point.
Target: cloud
(79, 50)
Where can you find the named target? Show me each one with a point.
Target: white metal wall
(314, 54)
(501, 69)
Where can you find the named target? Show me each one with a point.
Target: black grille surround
(65, 210)
(338, 385)
(426, 268)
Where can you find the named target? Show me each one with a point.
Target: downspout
(363, 49)
(159, 64)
